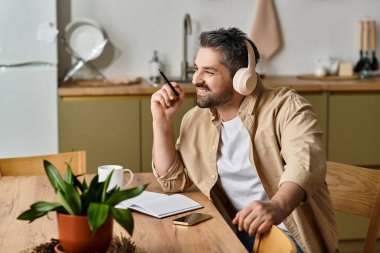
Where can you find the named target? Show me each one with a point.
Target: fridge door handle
(27, 64)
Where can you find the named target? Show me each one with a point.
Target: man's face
(212, 79)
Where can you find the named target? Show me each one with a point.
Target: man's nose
(197, 78)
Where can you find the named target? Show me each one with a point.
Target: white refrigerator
(28, 78)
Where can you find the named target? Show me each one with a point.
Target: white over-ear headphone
(245, 79)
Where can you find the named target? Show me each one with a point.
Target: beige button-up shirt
(286, 146)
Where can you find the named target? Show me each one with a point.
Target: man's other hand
(259, 216)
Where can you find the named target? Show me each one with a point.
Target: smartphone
(192, 219)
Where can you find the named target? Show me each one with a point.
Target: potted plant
(84, 213)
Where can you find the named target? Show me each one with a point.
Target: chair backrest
(274, 241)
(356, 190)
(33, 165)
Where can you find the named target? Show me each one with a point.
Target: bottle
(154, 66)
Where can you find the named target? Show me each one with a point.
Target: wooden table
(150, 234)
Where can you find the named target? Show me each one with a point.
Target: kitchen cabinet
(108, 128)
(354, 128)
(354, 138)
(112, 129)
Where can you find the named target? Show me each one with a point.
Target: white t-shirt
(237, 176)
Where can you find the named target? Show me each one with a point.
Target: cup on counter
(117, 176)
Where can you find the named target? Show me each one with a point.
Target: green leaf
(94, 182)
(119, 196)
(73, 198)
(38, 209)
(105, 186)
(69, 178)
(97, 215)
(78, 184)
(95, 190)
(31, 215)
(64, 202)
(54, 176)
(84, 185)
(85, 198)
(43, 206)
(61, 209)
(124, 218)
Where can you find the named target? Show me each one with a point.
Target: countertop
(299, 83)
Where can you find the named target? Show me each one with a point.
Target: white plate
(86, 38)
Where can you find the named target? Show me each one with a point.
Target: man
(260, 155)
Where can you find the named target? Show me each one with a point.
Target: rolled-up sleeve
(302, 147)
(176, 179)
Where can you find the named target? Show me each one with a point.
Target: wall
(311, 29)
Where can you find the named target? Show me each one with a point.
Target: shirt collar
(249, 103)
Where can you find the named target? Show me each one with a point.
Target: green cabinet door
(354, 128)
(147, 132)
(107, 128)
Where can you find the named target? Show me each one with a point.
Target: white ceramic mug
(117, 176)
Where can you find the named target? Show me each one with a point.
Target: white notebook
(160, 205)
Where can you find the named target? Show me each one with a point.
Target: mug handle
(130, 180)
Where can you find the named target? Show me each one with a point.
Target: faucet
(185, 68)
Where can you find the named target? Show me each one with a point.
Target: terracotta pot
(75, 235)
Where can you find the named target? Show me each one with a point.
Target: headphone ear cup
(236, 81)
(244, 81)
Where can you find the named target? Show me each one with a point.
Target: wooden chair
(274, 241)
(33, 165)
(356, 190)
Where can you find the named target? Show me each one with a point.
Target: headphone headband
(251, 56)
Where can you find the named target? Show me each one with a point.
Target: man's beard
(212, 100)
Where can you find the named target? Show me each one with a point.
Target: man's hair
(230, 43)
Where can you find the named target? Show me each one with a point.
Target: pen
(167, 80)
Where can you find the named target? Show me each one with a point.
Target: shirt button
(213, 176)
(213, 147)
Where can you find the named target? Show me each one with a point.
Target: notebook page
(167, 205)
(144, 196)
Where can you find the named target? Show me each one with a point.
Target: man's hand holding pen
(165, 102)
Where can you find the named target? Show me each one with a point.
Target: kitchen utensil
(374, 63)
(79, 62)
(326, 66)
(360, 63)
(366, 70)
(320, 71)
(85, 40)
